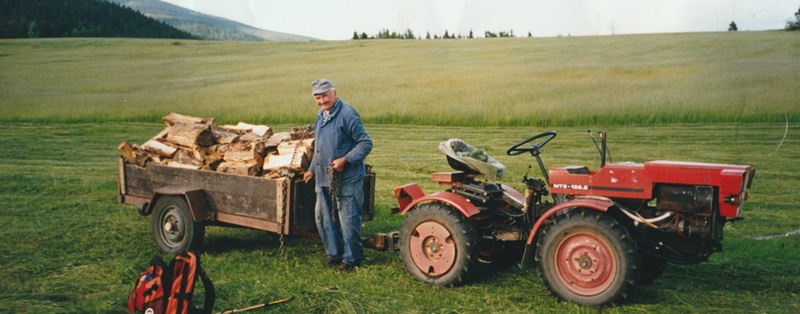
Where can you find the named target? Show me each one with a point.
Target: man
(340, 145)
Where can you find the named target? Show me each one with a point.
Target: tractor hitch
(382, 241)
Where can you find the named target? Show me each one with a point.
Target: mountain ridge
(206, 26)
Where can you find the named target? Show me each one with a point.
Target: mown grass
(633, 79)
(66, 103)
(70, 248)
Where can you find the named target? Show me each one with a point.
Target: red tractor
(595, 236)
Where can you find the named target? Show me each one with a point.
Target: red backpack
(168, 288)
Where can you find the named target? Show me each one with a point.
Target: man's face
(326, 100)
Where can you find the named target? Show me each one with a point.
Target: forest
(79, 18)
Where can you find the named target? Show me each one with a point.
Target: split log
(176, 118)
(257, 129)
(238, 155)
(278, 138)
(225, 136)
(216, 152)
(189, 157)
(162, 149)
(295, 162)
(302, 132)
(134, 155)
(190, 135)
(252, 137)
(242, 128)
(242, 168)
(246, 151)
(289, 147)
(177, 164)
(127, 150)
(143, 159)
(163, 134)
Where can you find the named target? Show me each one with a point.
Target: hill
(79, 18)
(205, 26)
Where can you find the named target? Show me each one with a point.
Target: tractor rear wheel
(438, 245)
(587, 257)
(172, 226)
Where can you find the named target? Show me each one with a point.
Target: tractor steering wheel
(534, 149)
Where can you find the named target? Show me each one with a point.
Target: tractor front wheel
(587, 257)
(438, 245)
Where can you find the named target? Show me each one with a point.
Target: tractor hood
(637, 180)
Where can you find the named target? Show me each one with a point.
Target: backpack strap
(210, 293)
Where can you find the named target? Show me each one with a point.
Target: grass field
(636, 79)
(65, 104)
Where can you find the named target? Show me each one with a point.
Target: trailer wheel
(588, 258)
(438, 245)
(172, 226)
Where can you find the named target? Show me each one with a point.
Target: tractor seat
(464, 157)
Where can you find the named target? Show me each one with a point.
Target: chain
(335, 179)
(283, 215)
(285, 193)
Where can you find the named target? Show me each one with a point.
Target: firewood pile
(244, 149)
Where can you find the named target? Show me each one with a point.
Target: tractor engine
(696, 216)
(683, 227)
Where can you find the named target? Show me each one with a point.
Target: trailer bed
(283, 205)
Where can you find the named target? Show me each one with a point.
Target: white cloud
(335, 20)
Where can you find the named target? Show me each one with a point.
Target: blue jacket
(341, 134)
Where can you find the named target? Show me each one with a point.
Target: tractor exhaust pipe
(602, 148)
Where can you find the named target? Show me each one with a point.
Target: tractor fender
(596, 203)
(410, 195)
(195, 198)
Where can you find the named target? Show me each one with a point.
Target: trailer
(182, 202)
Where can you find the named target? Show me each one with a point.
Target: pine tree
(794, 25)
(33, 30)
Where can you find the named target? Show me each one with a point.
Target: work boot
(344, 267)
(332, 261)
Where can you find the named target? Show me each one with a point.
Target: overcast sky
(337, 20)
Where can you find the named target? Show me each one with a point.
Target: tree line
(409, 34)
(794, 25)
(79, 18)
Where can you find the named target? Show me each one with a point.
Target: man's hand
(307, 176)
(338, 164)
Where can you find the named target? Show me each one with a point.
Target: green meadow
(637, 79)
(710, 97)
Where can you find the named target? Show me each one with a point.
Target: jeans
(341, 235)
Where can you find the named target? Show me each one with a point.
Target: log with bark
(158, 147)
(190, 135)
(175, 118)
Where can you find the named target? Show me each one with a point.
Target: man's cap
(320, 86)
